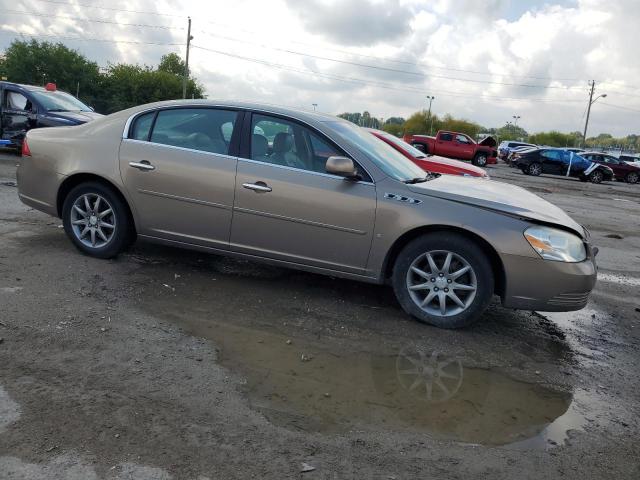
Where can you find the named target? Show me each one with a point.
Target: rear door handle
(143, 165)
(259, 187)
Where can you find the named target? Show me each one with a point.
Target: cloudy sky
(484, 60)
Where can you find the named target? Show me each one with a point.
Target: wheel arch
(494, 258)
(78, 178)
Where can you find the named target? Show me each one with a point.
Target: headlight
(558, 245)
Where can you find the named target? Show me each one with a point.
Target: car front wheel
(444, 280)
(96, 220)
(632, 177)
(596, 177)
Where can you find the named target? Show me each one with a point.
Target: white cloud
(465, 53)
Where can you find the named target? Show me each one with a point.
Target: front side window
(17, 101)
(462, 139)
(195, 128)
(287, 143)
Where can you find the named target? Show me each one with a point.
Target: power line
(395, 70)
(113, 9)
(377, 84)
(391, 60)
(91, 20)
(88, 39)
(403, 62)
(620, 107)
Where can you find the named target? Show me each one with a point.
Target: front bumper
(548, 286)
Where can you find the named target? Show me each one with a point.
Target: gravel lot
(169, 364)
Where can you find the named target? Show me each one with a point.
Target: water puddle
(313, 387)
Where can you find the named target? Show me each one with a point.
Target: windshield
(410, 149)
(60, 102)
(388, 159)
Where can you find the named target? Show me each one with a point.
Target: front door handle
(143, 165)
(259, 187)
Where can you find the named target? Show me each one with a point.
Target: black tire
(480, 160)
(123, 234)
(596, 176)
(632, 177)
(534, 169)
(461, 246)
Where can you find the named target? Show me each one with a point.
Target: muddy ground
(169, 364)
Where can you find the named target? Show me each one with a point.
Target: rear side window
(446, 137)
(142, 126)
(204, 129)
(551, 154)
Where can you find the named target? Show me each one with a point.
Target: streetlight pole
(186, 63)
(591, 102)
(314, 106)
(431, 98)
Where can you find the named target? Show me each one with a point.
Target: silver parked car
(308, 191)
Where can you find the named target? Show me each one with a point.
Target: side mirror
(343, 167)
(420, 147)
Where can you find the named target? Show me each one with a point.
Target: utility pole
(78, 90)
(431, 98)
(186, 63)
(586, 123)
(315, 105)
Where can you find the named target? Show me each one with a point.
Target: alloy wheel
(596, 177)
(535, 169)
(632, 177)
(93, 220)
(441, 283)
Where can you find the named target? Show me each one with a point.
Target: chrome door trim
(184, 149)
(299, 220)
(311, 172)
(184, 199)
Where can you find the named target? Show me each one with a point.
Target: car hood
(77, 117)
(488, 142)
(457, 164)
(497, 196)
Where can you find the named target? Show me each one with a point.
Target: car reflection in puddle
(308, 387)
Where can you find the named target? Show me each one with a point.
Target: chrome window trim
(312, 172)
(127, 126)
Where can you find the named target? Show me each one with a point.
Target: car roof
(296, 112)
(31, 88)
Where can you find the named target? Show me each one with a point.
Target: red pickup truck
(456, 145)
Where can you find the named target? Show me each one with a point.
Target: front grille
(570, 299)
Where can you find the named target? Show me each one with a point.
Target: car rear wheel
(632, 177)
(96, 220)
(444, 280)
(596, 176)
(534, 169)
(480, 160)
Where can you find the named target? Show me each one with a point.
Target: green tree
(172, 63)
(36, 63)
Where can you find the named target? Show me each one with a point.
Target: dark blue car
(24, 107)
(558, 161)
